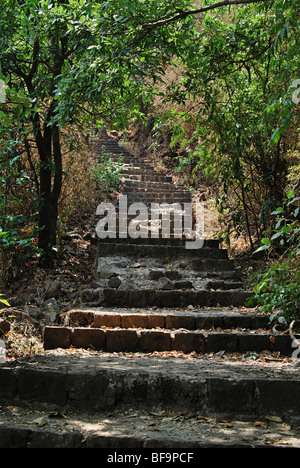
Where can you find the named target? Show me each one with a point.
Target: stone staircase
(161, 353)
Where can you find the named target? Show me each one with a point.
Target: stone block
(57, 337)
(155, 341)
(284, 344)
(88, 338)
(183, 341)
(134, 321)
(188, 342)
(221, 342)
(121, 340)
(106, 320)
(156, 321)
(230, 396)
(254, 342)
(167, 299)
(180, 321)
(79, 318)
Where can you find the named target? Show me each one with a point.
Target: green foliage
(277, 289)
(287, 228)
(17, 221)
(4, 301)
(107, 173)
(240, 84)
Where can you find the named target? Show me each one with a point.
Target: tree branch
(185, 14)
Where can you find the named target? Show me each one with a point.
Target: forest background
(210, 91)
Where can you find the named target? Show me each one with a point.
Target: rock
(35, 312)
(127, 284)
(164, 283)
(154, 275)
(52, 289)
(51, 304)
(173, 274)
(96, 285)
(107, 274)
(89, 295)
(183, 285)
(114, 282)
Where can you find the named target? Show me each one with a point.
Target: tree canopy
(82, 63)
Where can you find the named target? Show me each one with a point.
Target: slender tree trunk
(57, 184)
(44, 149)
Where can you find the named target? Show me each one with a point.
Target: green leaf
(278, 234)
(263, 247)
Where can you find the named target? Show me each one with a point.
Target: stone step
(139, 431)
(100, 382)
(207, 259)
(115, 340)
(146, 177)
(173, 242)
(154, 189)
(148, 197)
(139, 298)
(162, 185)
(198, 319)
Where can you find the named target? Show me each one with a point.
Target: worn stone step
(158, 198)
(165, 249)
(163, 191)
(150, 237)
(96, 382)
(168, 319)
(112, 340)
(176, 242)
(144, 178)
(110, 297)
(138, 432)
(163, 185)
(207, 259)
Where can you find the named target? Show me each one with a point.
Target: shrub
(277, 289)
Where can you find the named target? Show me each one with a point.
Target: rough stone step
(157, 198)
(117, 340)
(97, 382)
(140, 298)
(167, 249)
(176, 242)
(138, 432)
(141, 170)
(146, 177)
(152, 235)
(168, 185)
(206, 259)
(167, 319)
(156, 189)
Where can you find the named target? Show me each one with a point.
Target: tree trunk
(57, 184)
(44, 149)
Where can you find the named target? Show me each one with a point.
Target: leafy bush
(277, 289)
(18, 228)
